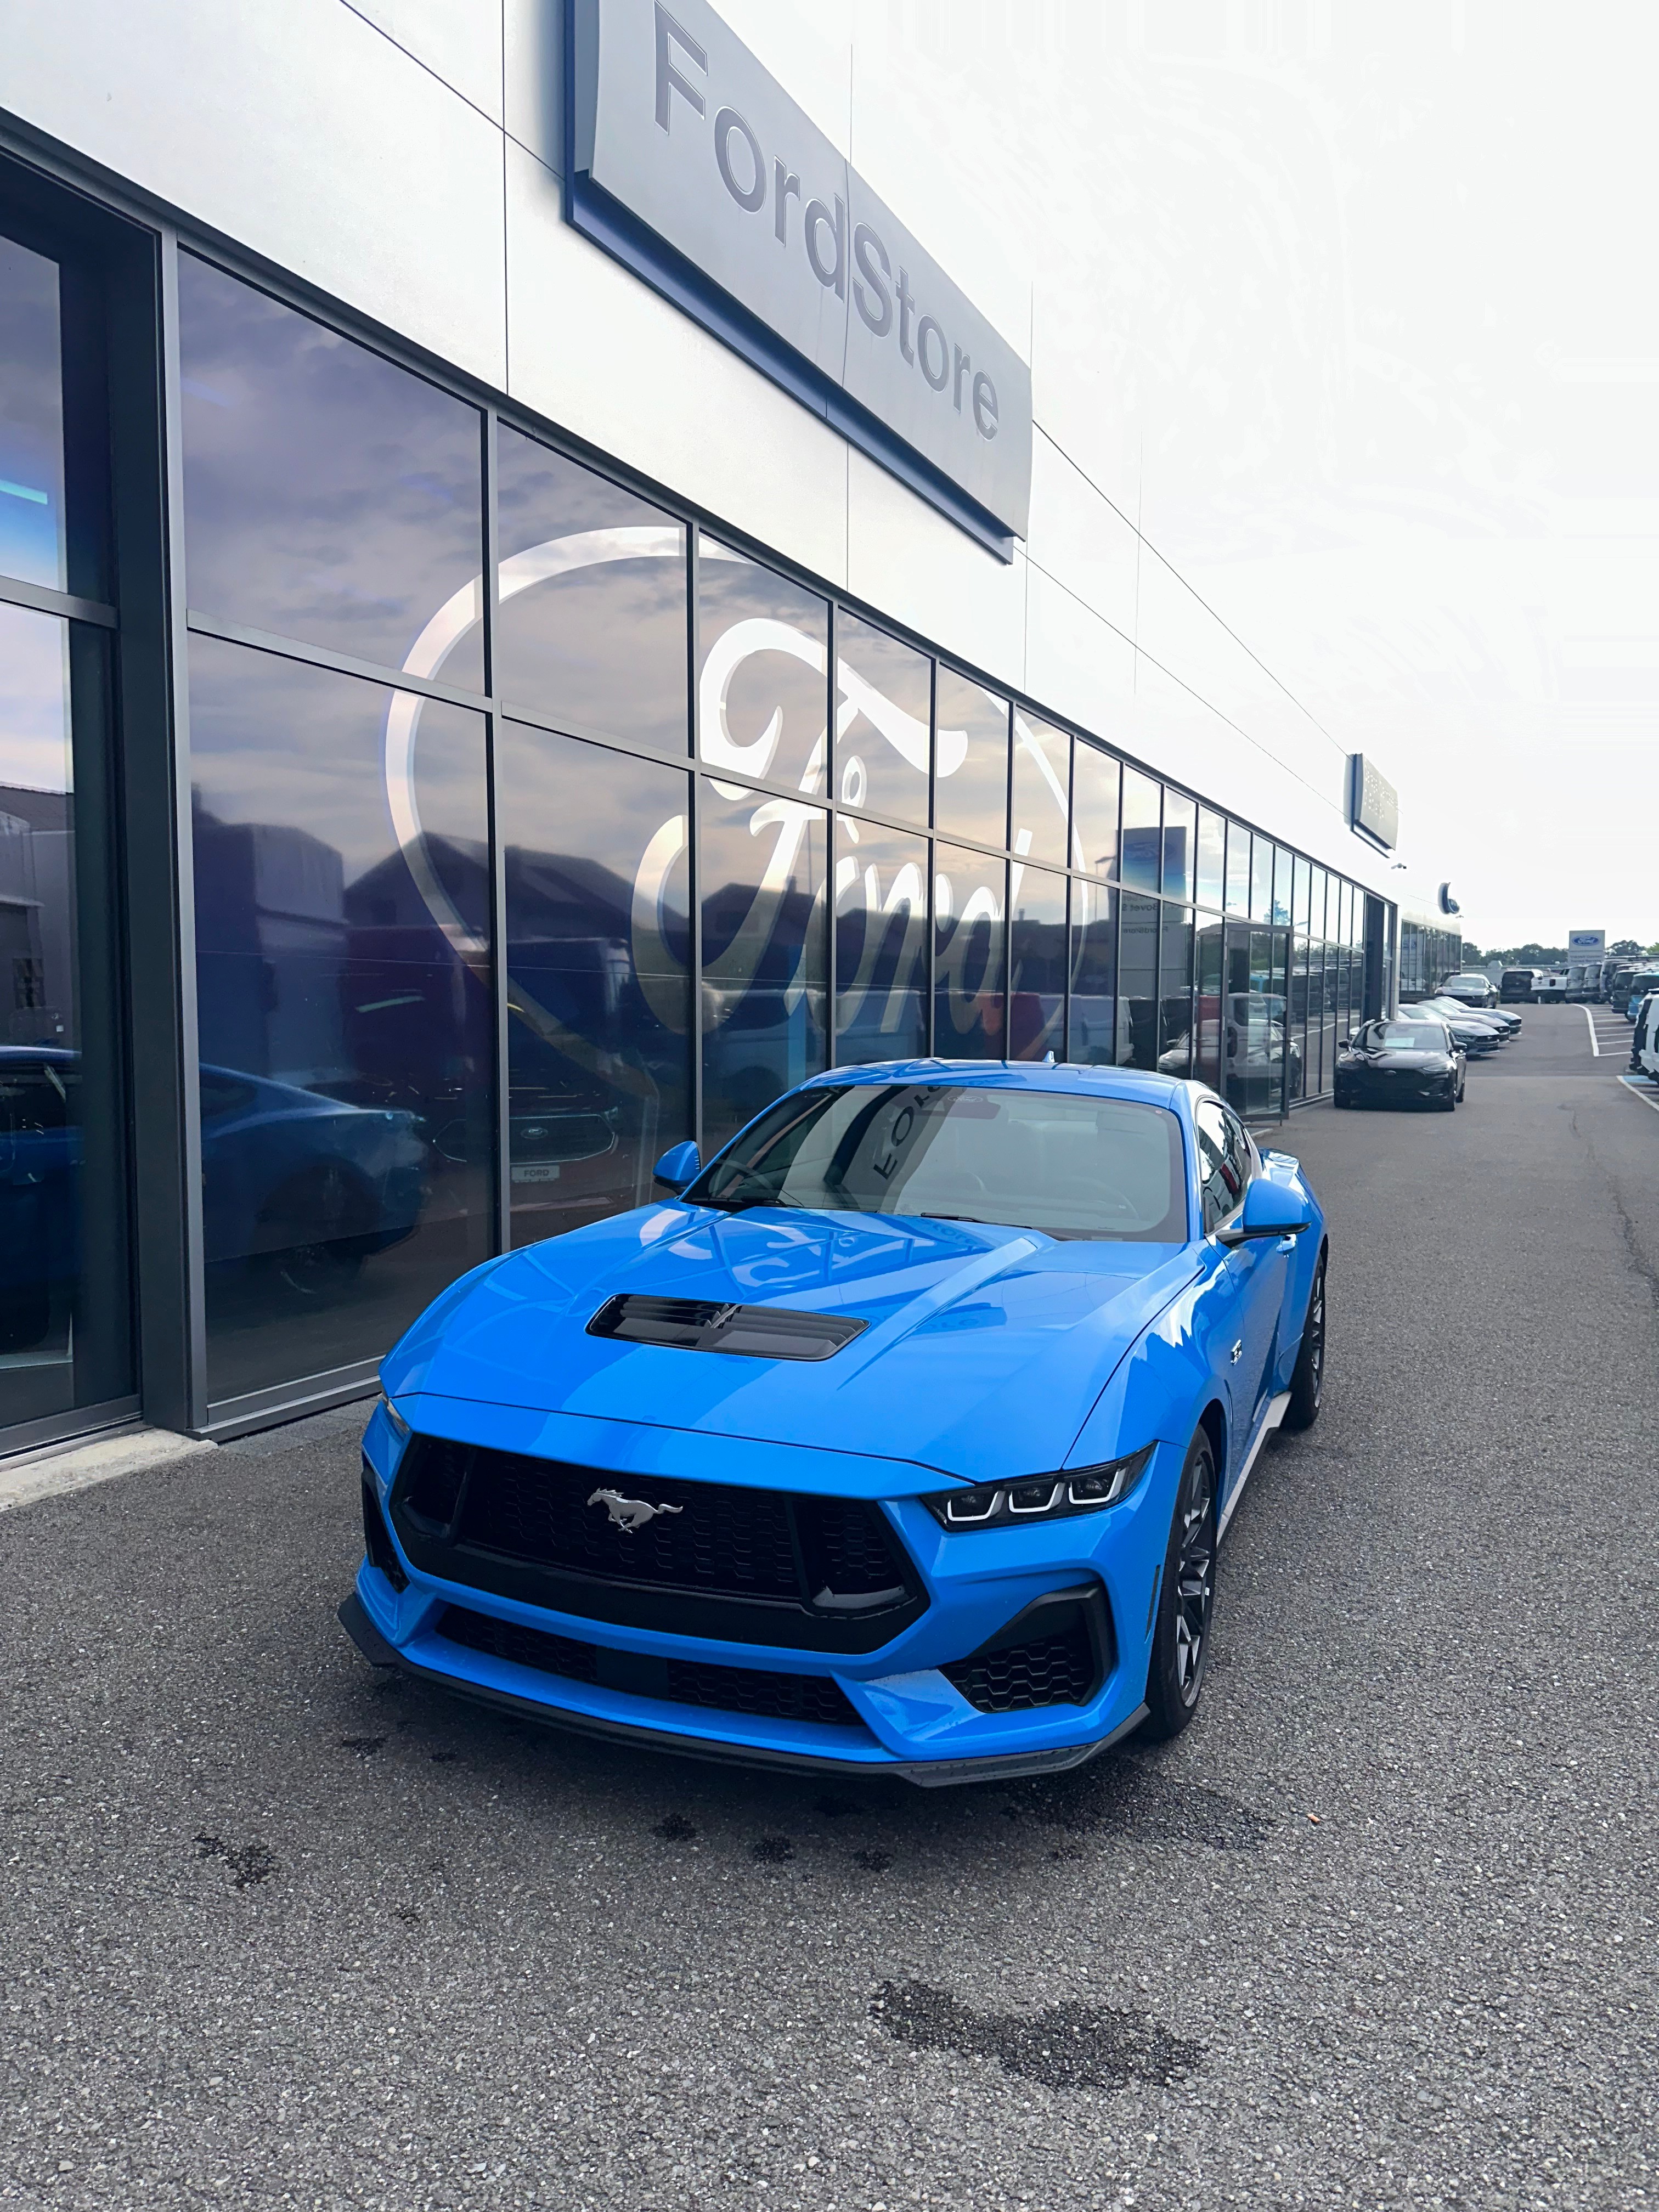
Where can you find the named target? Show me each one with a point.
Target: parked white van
(1644, 1043)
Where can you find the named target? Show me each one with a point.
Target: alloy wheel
(1316, 1337)
(1194, 1579)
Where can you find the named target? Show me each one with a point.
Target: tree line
(1546, 956)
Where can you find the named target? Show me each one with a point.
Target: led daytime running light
(1041, 1497)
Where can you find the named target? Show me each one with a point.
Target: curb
(59, 1469)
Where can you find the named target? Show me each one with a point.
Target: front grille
(703, 1536)
(749, 1689)
(752, 1332)
(693, 1557)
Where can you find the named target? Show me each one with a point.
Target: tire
(1308, 1380)
(317, 1228)
(1448, 1103)
(1180, 1641)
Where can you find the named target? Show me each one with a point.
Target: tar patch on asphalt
(1128, 1797)
(676, 1829)
(1069, 2046)
(772, 1850)
(247, 1864)
(873, 1861)
(364, 1746)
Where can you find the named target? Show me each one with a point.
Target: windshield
(1412, 1036)
(1021, 1159)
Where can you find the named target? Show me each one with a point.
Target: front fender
(1156, 1393)
(1303, 1264)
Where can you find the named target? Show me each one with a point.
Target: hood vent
(752, 1331)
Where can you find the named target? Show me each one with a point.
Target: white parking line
(1628, 1082)
(1596, 1043)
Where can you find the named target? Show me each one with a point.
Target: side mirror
(679, 1165)
(1347, 1041)
(1270, 1210)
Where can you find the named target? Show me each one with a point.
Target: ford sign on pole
(1586, 943)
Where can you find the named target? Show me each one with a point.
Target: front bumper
(685, 1743)
(991, 1598)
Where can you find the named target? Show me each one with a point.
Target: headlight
(400, 1428)
(1041, 1497)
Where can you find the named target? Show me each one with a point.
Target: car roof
(1075, 1079)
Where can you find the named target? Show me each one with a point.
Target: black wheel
(1448, 1103)
(1308, 1383)
(1180, 1642)
(316, 1227)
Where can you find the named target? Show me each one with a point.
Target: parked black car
(1410, 1061)
(1471, 1032)
(1470, 986)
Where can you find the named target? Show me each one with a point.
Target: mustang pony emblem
(630, 1513)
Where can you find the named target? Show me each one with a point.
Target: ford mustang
(900, 1438)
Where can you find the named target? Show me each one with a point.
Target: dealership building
(560, 571)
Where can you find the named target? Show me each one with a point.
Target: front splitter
(925, 1773)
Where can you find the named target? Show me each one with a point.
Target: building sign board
(1373, 803)
(1586, 943)
(676, 124)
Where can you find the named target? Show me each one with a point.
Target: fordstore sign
(695, 166)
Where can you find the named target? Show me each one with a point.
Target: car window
(1412, 1036)
(1243, 1157)
(1064, 1163)
(34, 1096)
(1217, 1165)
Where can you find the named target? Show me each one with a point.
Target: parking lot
(1377, 1930)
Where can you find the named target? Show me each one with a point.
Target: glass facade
(1428, 954)
(531, 830)
(598, 878)
(66, 1296)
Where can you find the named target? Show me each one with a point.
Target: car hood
(985, 1347)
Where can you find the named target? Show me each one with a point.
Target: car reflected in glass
(302, 1188)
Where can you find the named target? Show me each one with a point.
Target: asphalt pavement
(1378, 1930)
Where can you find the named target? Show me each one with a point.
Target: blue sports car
(901, 1437)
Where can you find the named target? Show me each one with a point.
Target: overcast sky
(1379, 372)
(1483, 614)
(1498, 476)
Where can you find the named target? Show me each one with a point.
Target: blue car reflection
(297, 1183)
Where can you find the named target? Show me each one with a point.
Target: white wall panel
(600, 354)
(459, 40)
(532, 77)
(1080, 539)
(905, 558)
(1076, 663)
(302, 133)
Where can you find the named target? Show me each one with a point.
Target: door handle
(1237, 1351)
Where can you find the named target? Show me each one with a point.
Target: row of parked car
(1420, 1056)
(1611, 983)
